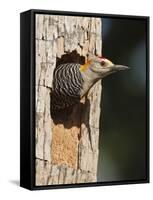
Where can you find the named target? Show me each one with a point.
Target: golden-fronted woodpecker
(72, 81)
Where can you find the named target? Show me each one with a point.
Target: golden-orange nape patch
(85, 66)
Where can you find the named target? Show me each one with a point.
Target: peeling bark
(66, 152)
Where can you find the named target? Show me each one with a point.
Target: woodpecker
(72, 81)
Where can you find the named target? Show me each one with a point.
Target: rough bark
(67, 151)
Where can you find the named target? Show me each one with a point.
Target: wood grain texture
(67, 151)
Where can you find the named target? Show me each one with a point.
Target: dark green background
(123, 118)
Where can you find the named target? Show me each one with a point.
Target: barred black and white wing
(67, 84)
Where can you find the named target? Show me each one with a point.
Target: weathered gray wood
(66, 153)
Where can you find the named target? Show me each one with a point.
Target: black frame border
(27, 99)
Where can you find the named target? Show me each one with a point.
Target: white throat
(89, 81)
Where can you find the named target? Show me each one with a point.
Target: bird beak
(119, 67)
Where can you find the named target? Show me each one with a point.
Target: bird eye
(102, 63)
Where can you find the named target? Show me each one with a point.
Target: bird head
(100, 67)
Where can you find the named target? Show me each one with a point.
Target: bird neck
(89, 79)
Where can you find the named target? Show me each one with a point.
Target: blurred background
(123, 118)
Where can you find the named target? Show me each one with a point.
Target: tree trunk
(67, 151)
